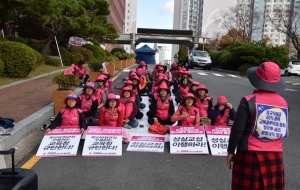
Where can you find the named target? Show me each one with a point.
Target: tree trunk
(44, 50)
(298, 54)
(34, 41)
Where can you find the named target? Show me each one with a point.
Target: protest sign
(218, 137)
(188, 140)
(103, 141)
(60, 142)
(146, 144)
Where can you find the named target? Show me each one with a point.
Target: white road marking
(202, 73)
(295, 84)
(126, 70)
(234, 76)
(218, 75)
(290, 89)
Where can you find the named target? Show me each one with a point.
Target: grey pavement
(157, 171)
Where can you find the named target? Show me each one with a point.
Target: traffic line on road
(234, 76)
(218, 75)
(295, 84)
(202, 73)
(30, 163)
(288, 82)
(290, 89)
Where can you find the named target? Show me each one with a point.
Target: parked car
(199, 59)
(293, 68)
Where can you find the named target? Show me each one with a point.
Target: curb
(24, 127)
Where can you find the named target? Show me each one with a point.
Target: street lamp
(204, 39)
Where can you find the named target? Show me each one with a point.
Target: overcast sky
(155, 14)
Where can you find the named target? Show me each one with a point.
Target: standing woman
(259, 148)
(81, 72)
(111, 114)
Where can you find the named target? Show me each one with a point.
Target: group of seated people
(98, 106)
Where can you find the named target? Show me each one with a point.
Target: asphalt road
(156, 171)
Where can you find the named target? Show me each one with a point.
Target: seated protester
(70, 116)
(173, 71)
(204, 102)
(182, 90)
(222, 112)
(80, 70)
(186, 74)
(161, 80)
(137, 91)
(108, 82)
(132, 71)
(178, 75)
(129, 84)
(162, 107)
(156, 68)
(187, 114)
(143, 81)
(194, 87)
(101, 93)
(167, 73)
(144, 66)
(111, 114)
(127, 102)
(88, 103)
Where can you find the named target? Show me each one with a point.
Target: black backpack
(7, 123)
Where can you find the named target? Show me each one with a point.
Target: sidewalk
(30, 104)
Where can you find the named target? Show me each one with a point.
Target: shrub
(1, 67)
(65, 83)
(3, 39)
(16, 39)
(224, 59)
(53, 61)
(19, 59)
(243, 69)
(72, 57)
(121, 50)
(95, 64)
(62, 51)
(98, 52)
(87, 54)
(39, 57)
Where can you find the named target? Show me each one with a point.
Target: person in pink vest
(81, 72)
(162, 107)
(143, 81)
(182, 90)
(194, 87)
(88, 103)
(258, 131)
(204, 102)
(108, 82)
(155, 70)
(187, 114)
(127, 102)
(70, 116)
(111, 114)
(101, 93)
(221, 113)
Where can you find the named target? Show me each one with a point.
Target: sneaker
(126, 126)
(44, 127)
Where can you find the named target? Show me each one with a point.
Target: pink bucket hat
(266, 77)
(222, 100)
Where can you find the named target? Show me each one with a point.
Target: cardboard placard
(188, 140)
(146, 144)
(62, 141)
(103, 141)
(218, 138)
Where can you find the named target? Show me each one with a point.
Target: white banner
(188, 140)
(146, 144)
(218, 138)
(60, 142)
(103, 141)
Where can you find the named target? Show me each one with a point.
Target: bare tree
(287, 21)
(243, 18)
(215, 41)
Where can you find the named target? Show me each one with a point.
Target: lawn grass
(40, 70)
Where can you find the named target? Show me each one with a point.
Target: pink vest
(127, 107)
(111, 119)
(190, 120)
(222, 121)
(265, 98)
(86, 105)
(162, 111)
(203, 106)
(184, 91)
(70, 117)
(99, 95)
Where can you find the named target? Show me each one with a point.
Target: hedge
(244, 68)
(98, 52)
(95, 64)
(87, 54)
(19, 59)
(39, 57)
(53, 61)
(1, 67)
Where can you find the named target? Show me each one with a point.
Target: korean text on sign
(188, 140)
(146, 144)
(103, 141)
(218, 138)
